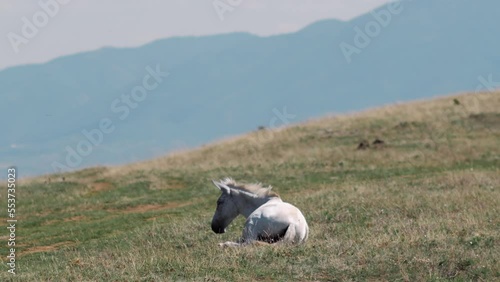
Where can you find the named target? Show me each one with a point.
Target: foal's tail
(290, 233)
(296, 234)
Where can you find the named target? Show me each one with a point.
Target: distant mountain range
(118, 105)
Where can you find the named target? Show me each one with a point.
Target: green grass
(424, 207)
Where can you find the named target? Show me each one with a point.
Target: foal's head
(236, 199)
(226, 210)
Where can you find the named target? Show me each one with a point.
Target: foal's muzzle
(217, 229)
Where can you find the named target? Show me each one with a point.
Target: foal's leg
(230, 244)
(238, 243)
(248, 237)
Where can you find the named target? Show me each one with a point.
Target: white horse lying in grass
(269, 219)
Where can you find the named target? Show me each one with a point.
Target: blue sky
(70, 26)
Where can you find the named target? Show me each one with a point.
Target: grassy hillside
(211, 77)
(424, 206)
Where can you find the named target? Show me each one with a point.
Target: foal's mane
(254, 188)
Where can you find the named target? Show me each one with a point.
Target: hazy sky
(41, 30)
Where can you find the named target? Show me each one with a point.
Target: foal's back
(277, 219)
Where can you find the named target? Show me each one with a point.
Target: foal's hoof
(229, 244)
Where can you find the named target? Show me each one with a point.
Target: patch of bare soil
(49, 222)
(75, 218)
(151, 207)
(48, 248)
(69, 219)
(101, 186)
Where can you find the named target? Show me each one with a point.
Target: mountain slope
(228, 84)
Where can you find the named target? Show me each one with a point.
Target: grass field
(424, 206)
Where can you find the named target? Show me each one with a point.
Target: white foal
(269, 219)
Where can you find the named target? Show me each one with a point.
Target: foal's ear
(223, 187)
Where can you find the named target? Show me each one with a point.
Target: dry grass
(422, 207)
(431, 117)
